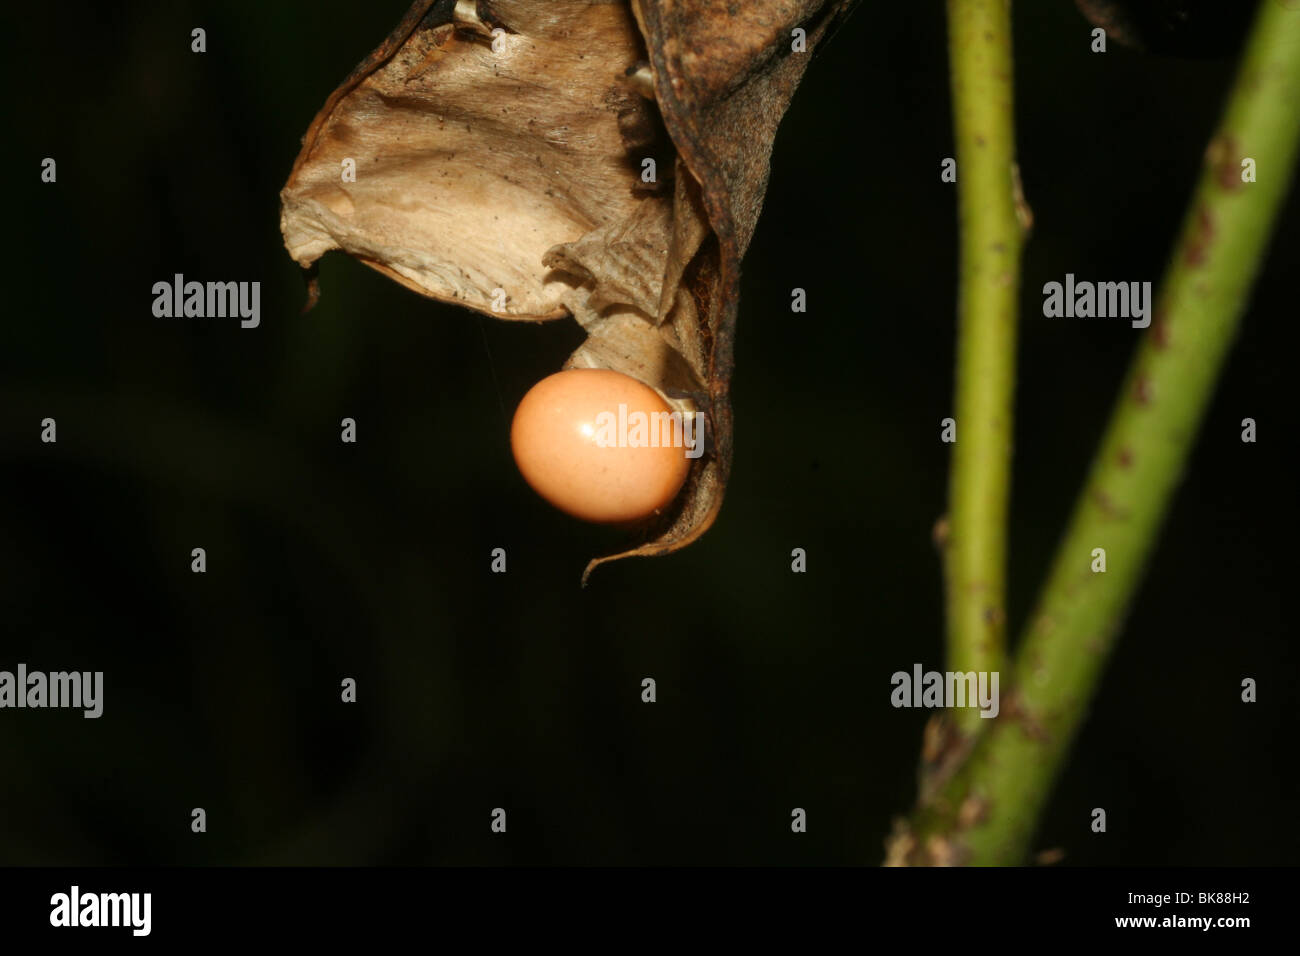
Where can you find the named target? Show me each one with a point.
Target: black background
(521, 690)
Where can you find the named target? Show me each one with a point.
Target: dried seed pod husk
(535, 159)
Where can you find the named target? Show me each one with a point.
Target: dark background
(521, 690)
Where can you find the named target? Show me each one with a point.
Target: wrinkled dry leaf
(499, 147)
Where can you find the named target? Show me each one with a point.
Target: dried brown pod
(600, 159)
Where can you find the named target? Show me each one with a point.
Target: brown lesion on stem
(944, 747)
(1031, 724)
(1143, 390)
(1160, 328)
(937, 834)
(1202, 237)
(1107, 506)
(1224, 159)
(974, 810)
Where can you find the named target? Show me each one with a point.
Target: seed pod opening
(536, 159)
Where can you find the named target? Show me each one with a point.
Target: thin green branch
(985, 812)
(979, 39)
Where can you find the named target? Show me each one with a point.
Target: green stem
(979, 37)
(985, 812)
